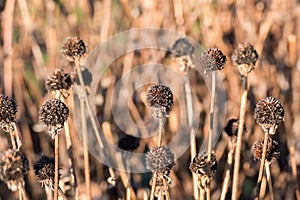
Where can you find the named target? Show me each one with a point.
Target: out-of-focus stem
(269, 179)
(56, 157)
(153, 186)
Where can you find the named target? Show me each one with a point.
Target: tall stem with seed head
(56, 157)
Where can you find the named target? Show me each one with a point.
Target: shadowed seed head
(129, 143)
(44, 171)
(200, 165)
(53, 114)
(58, 80)
(244, 57)
(159, 97)
(212, 60)
(74, 48)
(160, 159)
(13, 168)
(182, 47)
(232, 127)
(269, 113)
(8, 111)
(272, 150)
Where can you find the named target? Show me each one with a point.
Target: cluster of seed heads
(74, 48)
(8, 111)
(53, 114)
(13, 168)
(212, 60)
(160, 159)
(272, 150)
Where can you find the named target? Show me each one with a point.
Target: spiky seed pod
(182, 47)
(45, 171)
(58, 80)
(8, 111)
(244, 57)
(232, 127)
(13, 168)
(160, 159)
(212, 60)
(269, 113)
(200, 166)
(53, 114)
(129, 143)
(272, 150)
(160, 99)
(74, 48)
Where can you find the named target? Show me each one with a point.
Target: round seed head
(232, 127)
(182, 47)
(200, 165)
(269, 113)
(13, 168)
(58, 80)
(8, 111)
(44, 171)
(159, 97)
(212, 60)
(244, 57)
(53, 114)
(160, 159)
(129, 143)
(272, 150)
(74, 48)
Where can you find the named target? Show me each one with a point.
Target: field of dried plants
(39, 37)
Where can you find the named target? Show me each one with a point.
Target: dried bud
(160, 159)
(212, 60)
(53, 114)
(272, 150)
(13, 168)
(268, 114)
(44, 171)
(182, 47)
(58, 80)
(74, 49)
(8, 111)
(244, 57)
(232, 127)
(160, 99)
(129, 143)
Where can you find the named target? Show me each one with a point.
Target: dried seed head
(200, 165)
(212, 60)
(13, 168)
(232, 127)
(44, 171)
(129, 143)
(74, 48)
(272, 150)
(160, 159)
(160, 99)
(58, 80)
(244, 57)
(182, 47)
(53, 114)
(269, 113)
(8, 111)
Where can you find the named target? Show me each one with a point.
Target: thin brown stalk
(202, 193)
(160, 133)
(294, 170)
(269, 179)
(128, 186)
(262, 164)
(62, 194)
(243, 107)
(166, 188)
(153, 186)
(56, 157)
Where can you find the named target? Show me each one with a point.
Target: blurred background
(33, 32)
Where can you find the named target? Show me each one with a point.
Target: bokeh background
(33, 32)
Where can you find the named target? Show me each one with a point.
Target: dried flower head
(8, 111)
(272, 150)
(160, 159)
(212, 60)
(44, 171)
(53, 114)
(160, 99)
(74, 48)
(59, 81)
(13, 168)
(232, 127)
(129, 142)
(182, 47)
(269, 113)
(244, 57)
